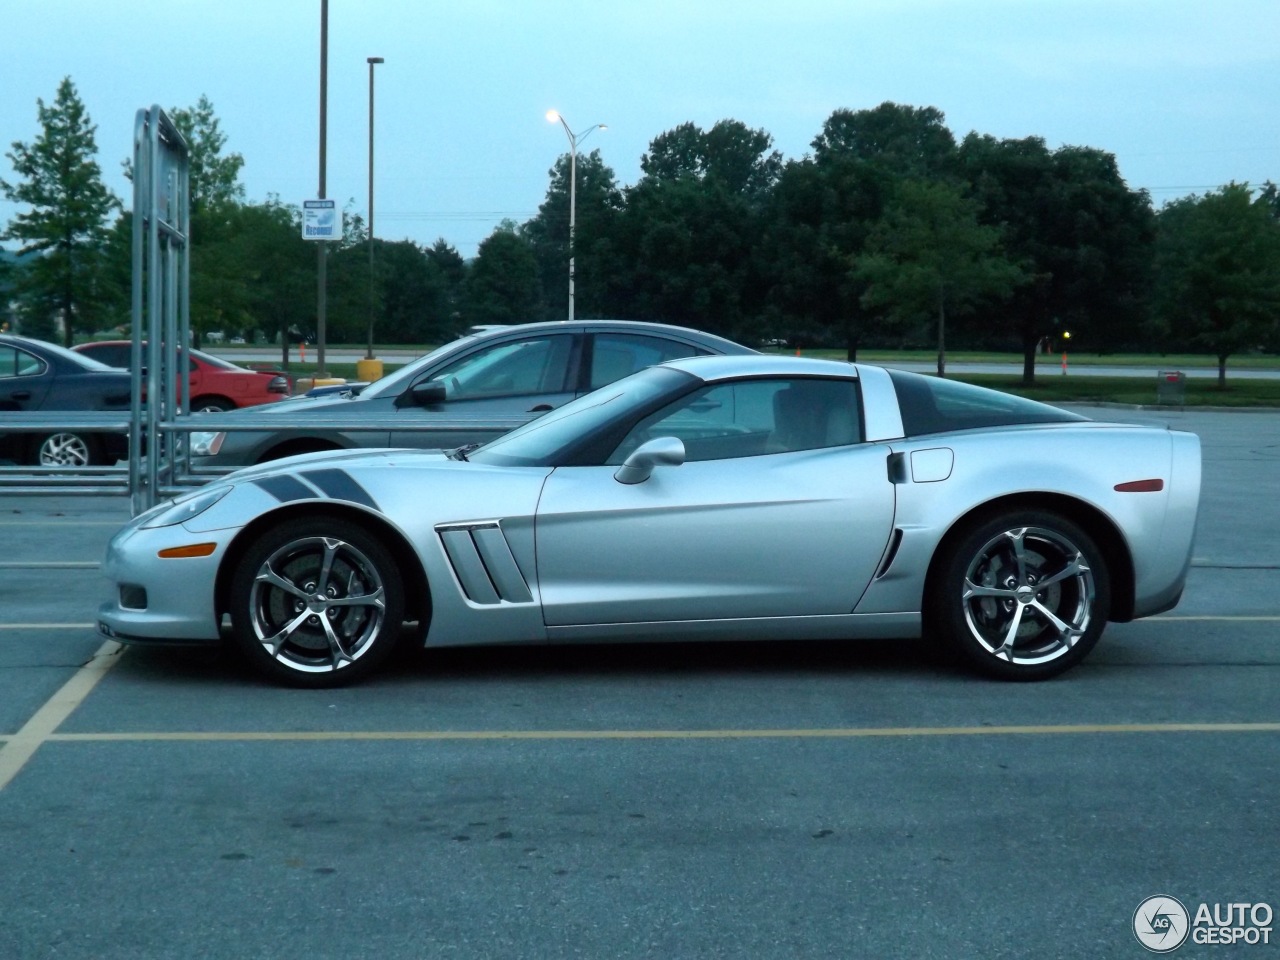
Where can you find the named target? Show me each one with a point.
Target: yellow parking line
(1190, 618)
(837, 733)
(50, 565)
(53, 522)
(20, 747)
(48, 626)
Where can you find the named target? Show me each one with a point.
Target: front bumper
(158, 600)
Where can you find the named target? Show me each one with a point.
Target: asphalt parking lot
(766, 800)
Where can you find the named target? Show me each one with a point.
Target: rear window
(936, 405)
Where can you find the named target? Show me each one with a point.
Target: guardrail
(181, 474)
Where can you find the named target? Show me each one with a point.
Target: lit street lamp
(372, 294)
(553, 116)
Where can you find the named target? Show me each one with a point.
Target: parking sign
(319, 220)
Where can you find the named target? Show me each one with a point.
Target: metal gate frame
(161, 305)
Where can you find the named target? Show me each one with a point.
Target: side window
(751, 418)
(618, 355)
(115, 356)
(509, 369)
(18, 363)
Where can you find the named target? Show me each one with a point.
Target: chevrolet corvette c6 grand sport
(719, 497)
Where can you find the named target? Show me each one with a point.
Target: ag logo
(1161, 924)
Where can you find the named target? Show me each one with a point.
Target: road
(769, 800)
(1046, 366)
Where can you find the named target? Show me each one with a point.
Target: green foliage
(928, 256)
(598, 201)
(912, 141)
(502, 285)
(61, 183)
(215, 178)
(887, 233)
(1218, 263)
(1085, 237)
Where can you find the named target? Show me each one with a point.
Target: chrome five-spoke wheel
(1023, 596)
(316, 602)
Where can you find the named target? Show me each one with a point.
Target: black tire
(66, 448)
(282, 576)
(1022, 595)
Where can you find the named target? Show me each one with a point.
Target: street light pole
(372, 291)
(553, 116)
(321, 251)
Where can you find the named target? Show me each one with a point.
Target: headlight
(204, 444)
(186, 507)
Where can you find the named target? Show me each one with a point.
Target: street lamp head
(553, 116)
(376, 60)
(603, 126)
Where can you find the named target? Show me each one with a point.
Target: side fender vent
(894, 543)
(483, 563)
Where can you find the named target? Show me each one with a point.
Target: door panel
(779, 535)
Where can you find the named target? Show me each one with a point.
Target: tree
(597, 203)
(1084, 235)
(215, 177)
(1218, 268)
(69, 204)
(815, 223)
(928, 255)
(453, 270)
(683, 247)
(730, 154)
(502, 286)
(912, 141)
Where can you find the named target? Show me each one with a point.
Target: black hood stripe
(285, 488)
(340, 485)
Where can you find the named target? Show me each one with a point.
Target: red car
(216, 384)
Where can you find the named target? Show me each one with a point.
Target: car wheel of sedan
(211, 405)
(66, 449)
(1023, 596)
(316, 602)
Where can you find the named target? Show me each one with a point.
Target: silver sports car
(710, 497)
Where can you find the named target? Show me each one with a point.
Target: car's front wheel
(66, 449)
(316, 602)
(1021, 596)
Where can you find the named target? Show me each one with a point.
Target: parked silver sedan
(467, 391)
(712, 497)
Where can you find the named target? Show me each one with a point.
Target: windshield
(548, 440)
(79, 359)
(218, 362)
(396, 382)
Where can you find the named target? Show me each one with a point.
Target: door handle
(20, 395)
(541, 408)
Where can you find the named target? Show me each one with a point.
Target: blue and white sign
(319, 220)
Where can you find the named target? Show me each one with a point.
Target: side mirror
(424, 394)
(659, 452)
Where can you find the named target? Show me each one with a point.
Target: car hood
(350, 459)
(304, 406)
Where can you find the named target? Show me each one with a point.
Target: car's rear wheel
(1021, 596)
(316, 602)
(211, 405)
(66, 449)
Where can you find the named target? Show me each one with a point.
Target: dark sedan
(508, 374)
(39, 376)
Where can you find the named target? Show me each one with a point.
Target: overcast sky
(1183, 92)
